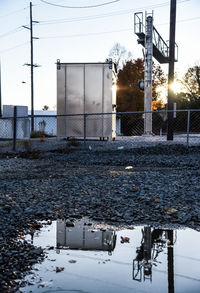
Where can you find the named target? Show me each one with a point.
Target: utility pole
(148, 74)
(170, 129)
(32, 65)
(0, 93)
(32, 85)
(155, 46)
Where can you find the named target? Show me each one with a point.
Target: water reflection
(151, 260)
(84, 237)
(152, 244)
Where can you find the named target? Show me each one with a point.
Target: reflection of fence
(186, 124)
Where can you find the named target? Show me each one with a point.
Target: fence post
(85, 116)
(188, 127)
(14, 127)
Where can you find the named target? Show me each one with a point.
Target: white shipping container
(86, 88)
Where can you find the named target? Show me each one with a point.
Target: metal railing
(129, 126)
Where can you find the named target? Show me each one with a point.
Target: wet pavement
(101, 258)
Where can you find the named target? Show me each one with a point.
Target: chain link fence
(118, 129)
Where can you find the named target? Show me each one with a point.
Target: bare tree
(119, 55)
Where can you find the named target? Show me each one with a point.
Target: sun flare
(176, 86)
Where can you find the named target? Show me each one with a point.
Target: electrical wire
(15, 47)
(79, 7)
(16, 30)
(94, 17)
(108, 32)
(83, 18)
(181, 20)
(189, 19)
(14, 12)
(93, 34)
(87, 34)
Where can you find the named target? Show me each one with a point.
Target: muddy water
(87, 258)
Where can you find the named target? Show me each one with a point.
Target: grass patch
(73, 142)
(40, 134)
(6, 139)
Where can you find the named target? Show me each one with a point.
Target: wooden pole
(170, 130)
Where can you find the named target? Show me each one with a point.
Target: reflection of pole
(148, 75)
(147, 253)
(171, 68)
(170, 257)
(147, 243)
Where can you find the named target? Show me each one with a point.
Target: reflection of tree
(152, 244)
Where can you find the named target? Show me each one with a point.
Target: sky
(81, 34)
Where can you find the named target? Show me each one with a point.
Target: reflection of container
(86, 88)
(83, 237)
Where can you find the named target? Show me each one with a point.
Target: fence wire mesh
(113, 127)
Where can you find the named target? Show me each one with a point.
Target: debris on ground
(125, 239)
(59, 269)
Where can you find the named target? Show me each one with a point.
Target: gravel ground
(125, 142)
(157, 185)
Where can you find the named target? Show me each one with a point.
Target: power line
(13, 31)
(12, 48)
(188, 19)
(107, 32)
(92, 34)
(182, 20)
(87, 34)
(79, 7)
(115, 13)
(14, 12)
(89, 17)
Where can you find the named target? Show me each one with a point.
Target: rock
(37, 251)
(69, 223)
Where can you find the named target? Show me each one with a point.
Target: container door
(61, 101)
(74, 99)
(107, 126)
(93, 99)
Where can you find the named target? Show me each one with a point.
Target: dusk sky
(81, 35)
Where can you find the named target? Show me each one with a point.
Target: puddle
(85, 258)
